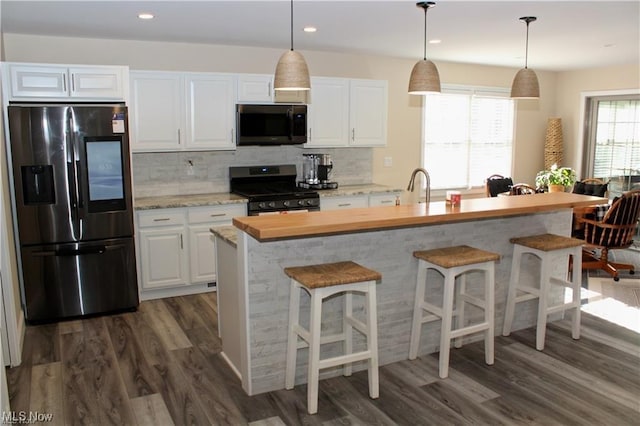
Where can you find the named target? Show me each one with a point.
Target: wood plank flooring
(161, 365)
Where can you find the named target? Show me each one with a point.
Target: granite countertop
(220, 198)
(193, 200)
(364, 189)
(228, 233)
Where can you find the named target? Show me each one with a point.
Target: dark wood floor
(161, 365)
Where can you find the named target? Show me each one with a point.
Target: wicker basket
(553, 143)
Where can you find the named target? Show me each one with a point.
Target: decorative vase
(556, 188)
(553, 143)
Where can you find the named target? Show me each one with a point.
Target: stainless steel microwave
(273, 124)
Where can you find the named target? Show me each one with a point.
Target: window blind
(468, 136)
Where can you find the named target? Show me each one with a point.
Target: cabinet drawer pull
(386, 202)
(162, 219)
(218, 215)
(344, 205)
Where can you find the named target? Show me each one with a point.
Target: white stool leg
(372, 340)
(348, 329)
(445, 332)
(314, 351)
(543, 301)
(416, 325)
(577, 286)
(460, 292)
(513, 289)
(292, 339)
(489, 313)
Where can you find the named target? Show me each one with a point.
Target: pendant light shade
(525, 84)
(292, 72)
(424, 76)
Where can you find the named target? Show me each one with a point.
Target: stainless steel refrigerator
(73, 205)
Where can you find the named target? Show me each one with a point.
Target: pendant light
(525, 84)
(424, 76)
(291, 72)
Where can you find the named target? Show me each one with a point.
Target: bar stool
(546, 247)
(321, 282)
(454, 262)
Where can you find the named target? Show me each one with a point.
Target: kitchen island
(383, 239)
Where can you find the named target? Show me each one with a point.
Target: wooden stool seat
(449, 257)
(328, 274)
(547, 247)
(452, 263)
(320, 282)
(547, 242)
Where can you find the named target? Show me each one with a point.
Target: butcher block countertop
(301, 225)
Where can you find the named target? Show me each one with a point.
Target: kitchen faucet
(427, 179)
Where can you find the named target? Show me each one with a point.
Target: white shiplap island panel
(380, 238)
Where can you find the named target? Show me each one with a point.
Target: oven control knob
(301, 202)
(309, 202)
(286, 203)
(272, 204)
(262, 205)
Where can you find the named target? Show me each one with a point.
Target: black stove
(272, 189)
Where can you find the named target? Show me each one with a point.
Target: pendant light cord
(425, 33)
(292, 25)
(526, 50)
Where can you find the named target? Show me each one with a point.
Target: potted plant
(556, 179)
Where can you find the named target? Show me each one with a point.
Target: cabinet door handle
(353, 134)
(181, 243)
(232, 136)
(73, 83)
(309, 133)
(179, 137)
(162, 219)
(344, 205)
(269, 89)
(386, 202)
(64, 82)
(218, 215)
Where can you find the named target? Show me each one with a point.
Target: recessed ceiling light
(145, 15)
(435, 41)
(310, 29)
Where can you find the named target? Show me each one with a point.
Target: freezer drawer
(68, 280)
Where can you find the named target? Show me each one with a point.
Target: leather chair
(615, 231)
(592, 186)
(496, 184)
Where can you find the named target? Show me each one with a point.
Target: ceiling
(567, 35)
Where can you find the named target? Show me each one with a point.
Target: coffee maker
(316, 172)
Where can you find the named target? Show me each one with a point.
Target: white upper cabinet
(174, 111)
(328, 112)
(210, 111)
(35, 81)
(255, 88)
(347, 113)
(368, 113)
(156, 111)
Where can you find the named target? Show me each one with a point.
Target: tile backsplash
(171, 173)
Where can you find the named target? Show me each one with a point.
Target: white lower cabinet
(344, 202)
(383, 199)
(176, 251)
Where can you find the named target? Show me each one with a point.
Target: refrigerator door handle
(85, 250)
(78, 190)
(73, 201)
